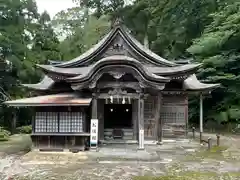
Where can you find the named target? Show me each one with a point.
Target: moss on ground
(16, 144)
(215, 153)
(194, 176)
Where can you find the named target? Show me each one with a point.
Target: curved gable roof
(107, 39)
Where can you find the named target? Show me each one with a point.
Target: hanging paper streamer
(111, 99)
(123, 101)
(129, 100)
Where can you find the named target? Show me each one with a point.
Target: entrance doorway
(117, 116)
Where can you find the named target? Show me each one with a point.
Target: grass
(215, 153)
(176, 172)
(16, 144)
(194, 176)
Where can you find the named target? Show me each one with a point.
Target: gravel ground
(118, 162)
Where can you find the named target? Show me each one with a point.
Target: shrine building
(136, 96)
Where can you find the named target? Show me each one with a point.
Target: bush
(4, 134)
(25, 129)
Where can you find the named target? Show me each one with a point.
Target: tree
(218, 50)
(26, 38)
(84, 37)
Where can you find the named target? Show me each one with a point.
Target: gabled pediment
(118, 41)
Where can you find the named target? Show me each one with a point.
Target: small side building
(134, 93)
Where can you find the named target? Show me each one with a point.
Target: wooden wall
(174, 115)
(149, 118)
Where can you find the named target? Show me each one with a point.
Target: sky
(54, 6)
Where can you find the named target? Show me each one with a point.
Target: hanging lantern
(106, 101)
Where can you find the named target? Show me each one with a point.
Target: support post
(158, 120)
(141, 122)
(193, 131)
(14, 121)
(201, 117)
(209, 143)
(94, 146)
(94, 106)
(49, 142)
(218, 140)
(135, 119)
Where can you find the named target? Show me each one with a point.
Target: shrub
(25, 129)
(4, 134)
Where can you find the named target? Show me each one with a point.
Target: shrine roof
(131, 41)
(173, 70)
(165, 71)
(63, 99)
(193, 84)
(44, 84)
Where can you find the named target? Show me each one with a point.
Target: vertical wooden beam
(100, 114)
(49, 142)
(157, 118)
(135, 119)
(141, 121)
(34, 121)
(94, 110)
(201, 117)
(14, 121)
(94, 106)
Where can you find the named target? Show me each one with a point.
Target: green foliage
(84, 37)
(26, 39)
(25, 129)
(4, 134)
(218, 50)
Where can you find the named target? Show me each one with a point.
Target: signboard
(94, 132)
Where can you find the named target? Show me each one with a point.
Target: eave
(63, 71)
(193, 84)
(45, 84)
(168, 71)
(116, 62)
(76, 73)
(64, 99)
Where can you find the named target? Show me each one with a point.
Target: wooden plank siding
(174, 115)
(149, 118)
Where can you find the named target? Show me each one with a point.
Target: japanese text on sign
(94, 131)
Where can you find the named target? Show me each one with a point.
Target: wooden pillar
(94, 106)
(141, 122)
(100, 114)
(201, 117)
(14, 121)
(157, 117)
(135, 119)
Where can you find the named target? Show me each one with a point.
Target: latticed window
(65, 122)
(173, 114)
(40, 122)
(71, 122)
(52, 122)
(77, 122)
(149, 117)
